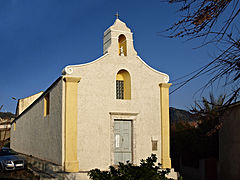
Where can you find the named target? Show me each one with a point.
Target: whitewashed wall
(98, 106)
(97, 100)
(41, 136)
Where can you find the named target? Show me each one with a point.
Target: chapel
(113, 109)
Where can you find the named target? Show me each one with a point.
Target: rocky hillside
(179, 114)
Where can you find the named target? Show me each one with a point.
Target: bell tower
(118, 40)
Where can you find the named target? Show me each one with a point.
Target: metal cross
(117, 15)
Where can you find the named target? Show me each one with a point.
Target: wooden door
(123, 141)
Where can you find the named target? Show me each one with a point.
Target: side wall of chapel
(38, 135)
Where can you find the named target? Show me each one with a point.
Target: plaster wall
(37, 135)
(97, 107)
(229, 145)
(25, 102)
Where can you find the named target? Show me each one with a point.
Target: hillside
(175, 115)
(6, 115)
(179, 114)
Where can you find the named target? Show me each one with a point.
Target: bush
(147, 170)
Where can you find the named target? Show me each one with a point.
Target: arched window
(123, 85)
(122, 45)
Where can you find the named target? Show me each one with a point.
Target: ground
(20, 174)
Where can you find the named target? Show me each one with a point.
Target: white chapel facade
(114, 109)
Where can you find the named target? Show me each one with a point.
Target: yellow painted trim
(165, 85)
(46, 104)
(71, 163)
(125, 76)
(72, 79)
(165, 131)
(14, 126)
(120, 77)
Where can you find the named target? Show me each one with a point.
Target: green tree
(208, 113)
(199, 140)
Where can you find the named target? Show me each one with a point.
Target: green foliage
(208, 113)
(180, 178)
(7, 144)
(147, 170)
(199, 140)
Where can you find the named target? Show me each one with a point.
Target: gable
(119, 53)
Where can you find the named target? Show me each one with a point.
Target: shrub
(147, 170)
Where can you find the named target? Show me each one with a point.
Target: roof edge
(34, 102)
(166, 79)
(68, 70)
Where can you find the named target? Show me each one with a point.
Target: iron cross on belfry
(117, 15)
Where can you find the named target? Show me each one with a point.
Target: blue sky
(38, 38)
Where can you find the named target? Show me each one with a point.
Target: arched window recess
(123, 85)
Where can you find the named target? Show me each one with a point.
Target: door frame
(123, 116)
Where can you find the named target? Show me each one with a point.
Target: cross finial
(117, 15)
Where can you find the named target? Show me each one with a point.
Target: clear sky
(38, 38)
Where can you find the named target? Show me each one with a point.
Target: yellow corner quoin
(165, 131)
(71, 163)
